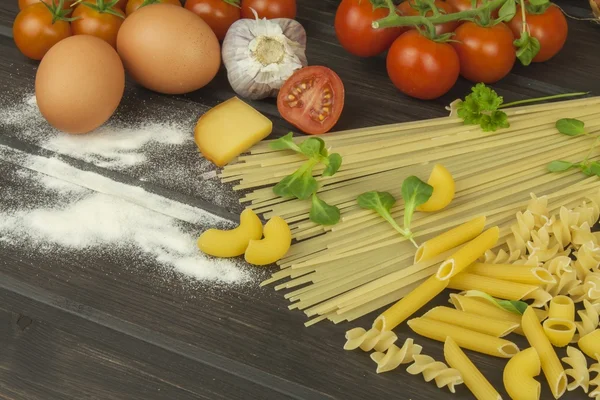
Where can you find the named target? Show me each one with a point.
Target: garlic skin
(260, 55)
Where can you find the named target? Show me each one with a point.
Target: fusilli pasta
(588, 259)
(369, 340)
(435, 370)
(579, 374)
(595, 368)
(590, 318)
(566, 277)
(396, 356)
(588, 290)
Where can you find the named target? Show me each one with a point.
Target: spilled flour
(99, 214)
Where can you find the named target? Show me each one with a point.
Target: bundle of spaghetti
(361, 264)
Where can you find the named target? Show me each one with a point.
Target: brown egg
(168, 49)
(79, 84)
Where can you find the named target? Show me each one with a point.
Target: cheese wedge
(229, 129)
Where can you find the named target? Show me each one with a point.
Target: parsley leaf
(481, 108)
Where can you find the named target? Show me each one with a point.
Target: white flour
(111, 216)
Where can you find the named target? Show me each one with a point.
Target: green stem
(392, 222)
(434, 9)
(394, 20)
(524, 16)
(587, 156)
(538, 99)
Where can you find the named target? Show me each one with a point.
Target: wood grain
(89, 326)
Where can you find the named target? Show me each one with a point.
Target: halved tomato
(312, 99)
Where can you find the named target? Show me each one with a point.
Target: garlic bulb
(260, 55)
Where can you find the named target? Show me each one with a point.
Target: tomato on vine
(40, 26)
(547, 24)
(486, 53)
(413, 7)
(218, 14)
(100, 19)
(422, 67)
(133, 5)
(269, 9)
(353, 27)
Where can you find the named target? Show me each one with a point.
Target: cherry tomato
(101, 24)
(463, 5)
(406, 9)
(133, 5)
(486, 54)
(218, 14)
(269, 9)
(353, 28)
(34, 33)
(312, 99)
(26, 3)
(421, 67)
(121, 5)
(550, 28)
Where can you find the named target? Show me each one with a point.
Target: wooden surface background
(74, 326)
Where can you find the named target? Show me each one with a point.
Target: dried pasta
(587, 259)
(465, 338)
(590, 318)
(369, 340)
(595, 368)
(474, 322)
(579, 374)
(395, 356)
(435, 370)
(481, 388)
(519, 375)
(590, 344)
(525, 274)
(553, 369)
(560, 325)
(588, 289)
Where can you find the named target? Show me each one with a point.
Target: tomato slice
(312, 99)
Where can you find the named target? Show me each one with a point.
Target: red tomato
(121, 5)
(218, 14)
(269, 9)
(462, 5)
(34, 33)
(312, 99)
(26, 3)
(353, 28)
(101, 24)
(421, 67)
(133, 5)
(486, 54)
(406, 9)
(550, 28)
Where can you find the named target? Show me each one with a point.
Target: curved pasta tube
(562, 307)
(553, 369)
(435, 370)
(481, 388)
(468, 254)
(276, 243)
(519, 375)
(590, 318)
(450, 239)
(465, 338)
(369, 340)
(232, 243)
(396, 356)
(560, 332)
(579, 370)
(474, 322)
(444, 189)
(590, 344)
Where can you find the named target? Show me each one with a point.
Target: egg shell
(169, 49)
(79, 84)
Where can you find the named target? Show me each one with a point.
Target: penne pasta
(474, 322)
(553, 369)
(468, 254)
(450, 239)
(465, 338)
(514, 273)
(519, 374)
(407, 306)
(560, 332)
(481, 388)
(494, 287)
(590, 344)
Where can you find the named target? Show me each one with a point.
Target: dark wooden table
(74, 326)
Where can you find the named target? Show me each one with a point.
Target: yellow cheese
(229, 129)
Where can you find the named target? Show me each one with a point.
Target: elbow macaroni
(443, 189)
(590, 344)
(519, 375)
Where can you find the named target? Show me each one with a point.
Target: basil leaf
(301, 184)
(312, 147)
(285, 143)
(527, 48)
(414, 192)
(559, 166)
(323, 213)
(382, 203)
(507, 11)
(334, 162)
(570, 126)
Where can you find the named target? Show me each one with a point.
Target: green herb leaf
(507, 11)
(527, 47)
(485, 97)
(381, 203)
(285, 143)
(595, 168)
(414, 192)
(559, 166)
(301, 184)
(515, 307)
(481, 108)
(312, 147)
(570, 126)
(334, 162)
(322, 213)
